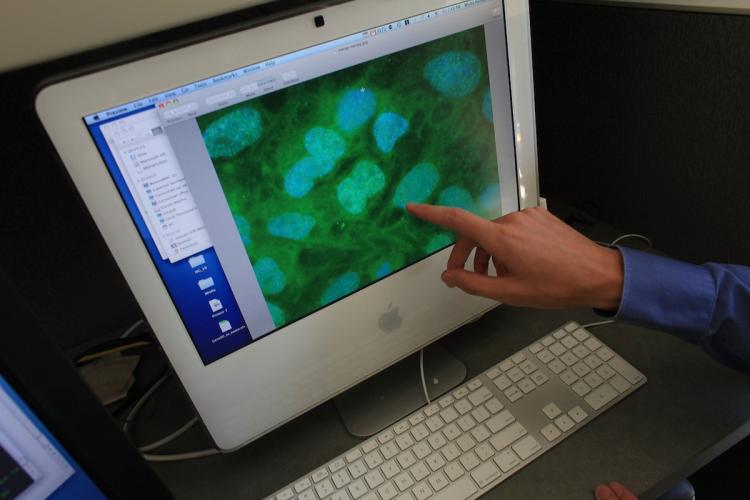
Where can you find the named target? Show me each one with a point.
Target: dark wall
(644, 117)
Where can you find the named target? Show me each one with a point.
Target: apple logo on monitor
(391, 320)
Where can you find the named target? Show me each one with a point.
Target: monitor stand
(394, 393)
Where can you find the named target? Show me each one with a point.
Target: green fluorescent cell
(243, 227)
(355, 108)
(270, 277)
(487, 106)
(417, 185)
(388, 129)
(438, 243)
(292, 226)
(489, 201)
(455, 196)
(343, 285)
(233, 132)
(365, 181)
(277, 314)
(454, 74)
(325, 145)
(301, 177)
(384, 269)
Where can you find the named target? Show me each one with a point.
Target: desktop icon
(216, 305)
(196, 261)
(206, 283)
(225, 326)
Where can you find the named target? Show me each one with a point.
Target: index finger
(457, 220)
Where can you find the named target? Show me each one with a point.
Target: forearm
(708, 305)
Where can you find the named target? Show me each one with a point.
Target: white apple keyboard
(483, 432)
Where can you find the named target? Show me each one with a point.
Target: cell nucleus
(388, 129)
(384, 269)
(233, 132)
(243, 227)
(270, 277)
(365, 181)
(455, 196)
(487, 106)
(355, 108)
(292, 226)
(277, 314)
(489, 201)
(454, 74)
(301, 177)
(324, 144)
(343, 285)
(417, 185)
(438, 242)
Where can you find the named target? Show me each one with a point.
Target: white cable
(164, 458)
(132, 328)
(599, 323)
(624, 237)
(421, 373)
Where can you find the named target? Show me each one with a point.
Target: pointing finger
(456, 219)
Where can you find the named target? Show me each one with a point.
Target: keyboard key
(319, 474)
(341, 479)
(556, 366)
(419, 432)
(336, 465)
(389, 450)
(463, 488)
(357, 489)
(301, 486)
(605, 372)
(415, 419)
(593, 361)
(526, 385)
(454, 470)
(564, 423)
(619, 383)
(551, 432)
(535, 348)
(581, 388)
(385, 437)
(480, 396)
(578, 414)
(451, 452)
(372, 444)
(435, 461)
(437, 441)
(527, 447)
(480, 414)
(485, 474)
(451, 432)
(581, 369)
(405, 460)
(480, 433)
(557, 349)
(390, 469)
(466, 423)
(422, 491)
(500, 421)
(387, 491)
(620, 366)
(539, 377)
(285, 495)
(435, 423)
(466, 442)
(430, 410)
(420, 471)
(592, 344)
(403, 481)
(307, 495)
(405, 441)
(401, 427)
(594, 380)
(340, 495)
(508, 436)
(515, 374)
(506, 460)
(601, 396)
(493, 405)
(422, 449)
(438, 481)
(581, 335)
(513, 394)
(446, 401)
(571, 326)
(559, 334)
(357, 469)
(548, 341)
(528, 366)
(373, 459)
(552, 411)
(474, 384)
(568, 377)
(518, 357)
(581, 351)
(484, 451)
(545, 356)
(371, 496)
(325, 488)
(503, 382)
(493, 373)
(460, 392)
(605, 354)
(569, 359)
(449, 414)
(463, 406)
(505, 365)
(569, 342)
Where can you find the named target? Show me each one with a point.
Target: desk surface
(691, 410)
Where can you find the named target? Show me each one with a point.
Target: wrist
(610, 280)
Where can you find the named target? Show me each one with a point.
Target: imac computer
(252, 189)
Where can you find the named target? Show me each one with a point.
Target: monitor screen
(33, 465)
(269, 192)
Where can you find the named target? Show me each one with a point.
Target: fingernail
(448, 280)
(602, 492)
(617, 488)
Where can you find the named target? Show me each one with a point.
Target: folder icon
(206, 283)
(196, 261)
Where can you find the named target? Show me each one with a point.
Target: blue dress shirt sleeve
(707, 305)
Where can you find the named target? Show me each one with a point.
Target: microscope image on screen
(317, 175)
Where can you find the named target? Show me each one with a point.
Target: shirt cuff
(666, 294)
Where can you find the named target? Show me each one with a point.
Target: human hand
(613, 491)
(540, 261)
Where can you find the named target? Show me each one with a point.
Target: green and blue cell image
(317, 175)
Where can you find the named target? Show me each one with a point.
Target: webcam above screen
(253, 189)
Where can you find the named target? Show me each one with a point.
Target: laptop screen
(33, 464)
(274, 190)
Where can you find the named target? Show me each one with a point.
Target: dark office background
(643, 121)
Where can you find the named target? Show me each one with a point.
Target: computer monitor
(252, 189)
